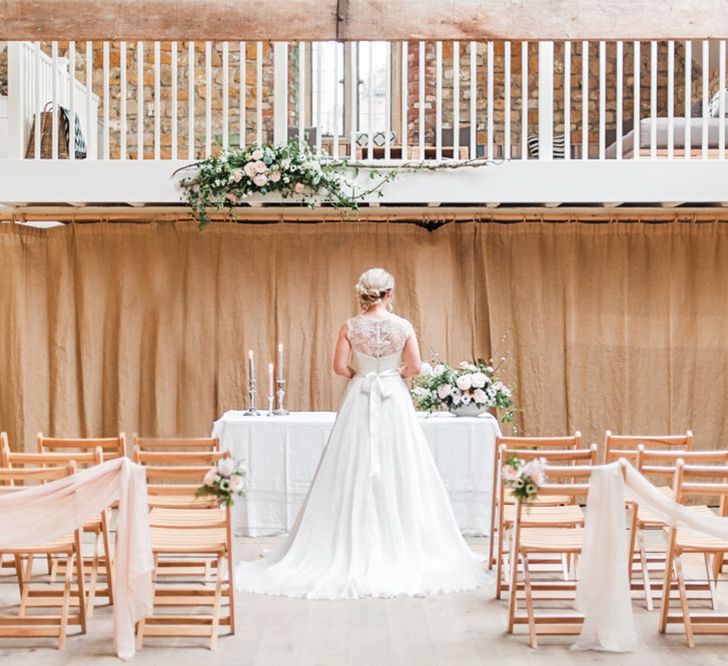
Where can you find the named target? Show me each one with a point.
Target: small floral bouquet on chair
(224, 481)
(524, 478)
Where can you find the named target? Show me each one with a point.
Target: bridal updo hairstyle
(373, 286)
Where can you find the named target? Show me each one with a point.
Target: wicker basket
(46, 136)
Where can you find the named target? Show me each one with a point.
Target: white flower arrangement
(441, 387)
(524, 479)
(225, 481)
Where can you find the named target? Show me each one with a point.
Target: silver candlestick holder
(270, 411)
(281, 411)
(251, 411)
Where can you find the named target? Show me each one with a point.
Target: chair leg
(81, 581)
(687, 622)
(666, 589)
(109, 565)
(491, 538)
(66, 602)
(499, 565)
(513, 592)
(93, 579)
(231, 592)
(25, 585)
(646, 583)
(529, 602)
(215, 625)
(711, 583)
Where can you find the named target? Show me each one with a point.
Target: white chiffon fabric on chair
(39, 514)
(603, 590)
(377, 520)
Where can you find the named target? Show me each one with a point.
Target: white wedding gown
(377, 520)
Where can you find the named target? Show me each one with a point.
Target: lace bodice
(378, 337)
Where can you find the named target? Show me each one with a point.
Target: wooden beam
(361, 19)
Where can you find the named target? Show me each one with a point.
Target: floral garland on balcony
(226, 179)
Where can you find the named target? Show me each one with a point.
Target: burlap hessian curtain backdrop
(145, 327)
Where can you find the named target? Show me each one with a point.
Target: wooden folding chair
(98, 527)
(178, 445)
(190, 536)
(626, 446)
(692, 481)
(659, 466)
(547, 510)
(112, 447)
(538, 443)
(564, 539)
(69, 547)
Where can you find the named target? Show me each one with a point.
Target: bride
(377, 521)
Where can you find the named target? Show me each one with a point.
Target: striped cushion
(559, 149)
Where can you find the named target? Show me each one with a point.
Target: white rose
(438, 369)
(510, 472)
(257, 154)
(464, 382)
(443, 391)
(250, 170)
(236, 175)
(285, 164)
(480, 396)
(260, 180)
(425, 369)
(210, 477)
(478, 379)
(275, 177)
(236, 483)
(260, 167)
(465, 400)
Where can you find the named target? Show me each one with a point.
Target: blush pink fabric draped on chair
(35, 515)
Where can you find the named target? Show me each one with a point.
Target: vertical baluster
(670, 99)
(54, 100)
(585, 100)
(259, 93)
(243, 92)
(38, 100)
(653, 99)
(106, 98)
(421, 99)
(473, 150)
(319, 81)
(174, 111)
(490, 98)
(602, 99)
(354, 99)
(90, 116)
(438, 100)
(140, 100)
(404, 139)
(335, 129)
(225, 96)
(157, 102)
(637, 100)
(620, 97)
(545, 100)
(122, 101)
(301, 93)
(208, 98)
(388, 102)
(72, 100)
(567, 100)
(688, 95)
(191, 100)
(370, 102)
(721, 102)
(524, 100)
(706, 100)
(456, 100)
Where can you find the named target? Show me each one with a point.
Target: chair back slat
(177, 444)
(82, 459)
(113, 447)
(14, 476)
(693, 481)
(627, 446)
(660, 465)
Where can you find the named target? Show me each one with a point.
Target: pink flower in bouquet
(480, 396)
(231, 197)
(250, 170)
(236, 483)
(225, 466)
(510, 472)
(443, 391)
(275, 177)
(464, 382)
(210, 477)
(298, 188)
(260, 180)
(236, 175)
(285, 164)
(257, 154)
(260, 167)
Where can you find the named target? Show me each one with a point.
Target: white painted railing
(380, 101)
(40, 82)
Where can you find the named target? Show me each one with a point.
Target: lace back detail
(378, 337)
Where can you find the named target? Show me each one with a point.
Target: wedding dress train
(377, 520)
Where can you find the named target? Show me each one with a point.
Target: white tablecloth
(281, 454)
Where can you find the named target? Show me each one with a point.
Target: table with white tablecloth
(281, 454)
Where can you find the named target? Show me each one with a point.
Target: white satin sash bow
(373, 383)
